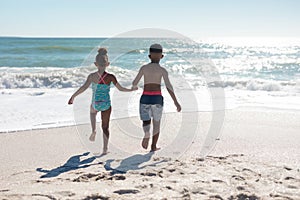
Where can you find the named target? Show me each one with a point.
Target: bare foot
(104, 152)
(93, 136)
(145, 142)
(155, 149)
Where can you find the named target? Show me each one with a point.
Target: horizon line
(91, 36)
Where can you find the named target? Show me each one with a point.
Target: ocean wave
(52, 77)
(74, 77)
(256, 85)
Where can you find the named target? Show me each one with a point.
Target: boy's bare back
(153, 74)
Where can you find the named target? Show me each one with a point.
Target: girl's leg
(105, 116)
(93, 114)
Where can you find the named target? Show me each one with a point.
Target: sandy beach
(234, 67)
(256, 157)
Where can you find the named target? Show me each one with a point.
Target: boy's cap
(156, 48)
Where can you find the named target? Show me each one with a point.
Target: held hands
(134, 87)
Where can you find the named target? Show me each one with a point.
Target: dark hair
(155, 48)
(102, 51)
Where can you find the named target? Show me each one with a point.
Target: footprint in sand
(148, 174)
(292, 183)
(97, 196)
(238, 182)
(126, 191)
(43, 195)
(185, 194)
(237, 178)
(248, 173)
(117, 177)
(244, 196)
(66, 193)
(97, 177)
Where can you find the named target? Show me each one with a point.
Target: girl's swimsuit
(101, 98)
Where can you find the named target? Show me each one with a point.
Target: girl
(100, 81)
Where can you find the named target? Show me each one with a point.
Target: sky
(192, 18)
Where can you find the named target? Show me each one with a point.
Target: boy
(151, 102)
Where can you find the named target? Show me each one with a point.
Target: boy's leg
(146, 118)
(155, 136)
(157, 114)
(93, 114)
(105, 116)
(146, 128)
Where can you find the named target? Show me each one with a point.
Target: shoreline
(239, 108)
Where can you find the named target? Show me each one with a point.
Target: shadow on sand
(72, 163)
(134, 162)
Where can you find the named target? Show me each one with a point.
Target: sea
(38, 76)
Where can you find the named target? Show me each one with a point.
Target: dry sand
(257, 156)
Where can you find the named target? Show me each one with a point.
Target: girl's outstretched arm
(81, 89)
(120, 87)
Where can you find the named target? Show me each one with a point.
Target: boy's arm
(137, 78)
(170, 90)
(81, 89)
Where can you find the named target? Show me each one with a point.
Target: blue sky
(193, 18)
